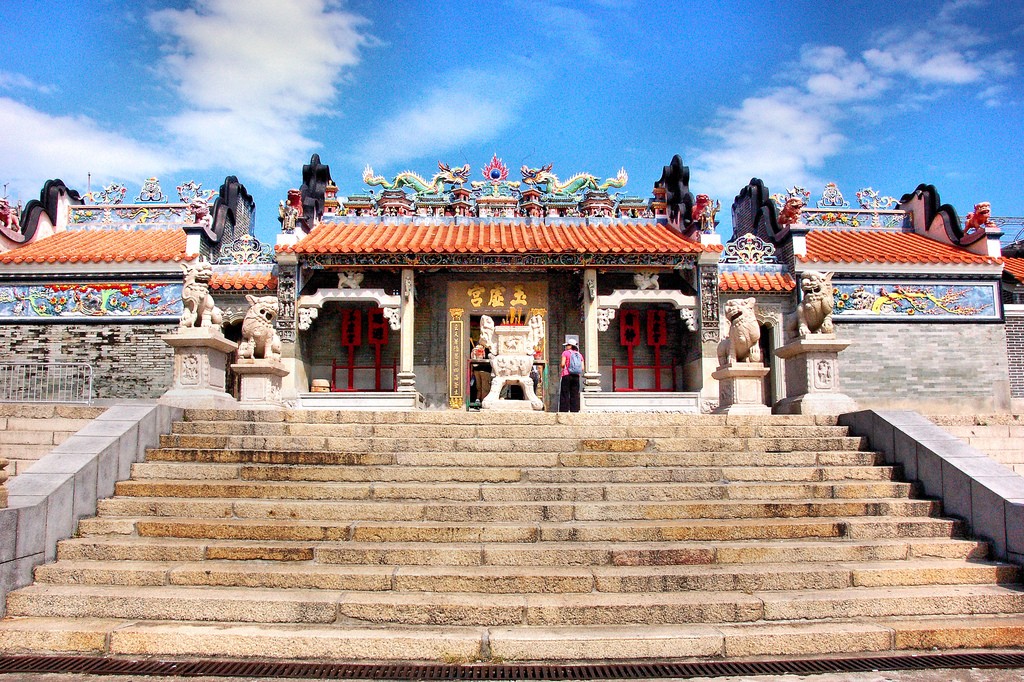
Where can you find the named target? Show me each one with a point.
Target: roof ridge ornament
(151, 192)
(414, 181)
(546, 181)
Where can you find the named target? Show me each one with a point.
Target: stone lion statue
(814, 313)
(10, 216)
(259, 338)
(198, 309)
(741, 343)
(199, 212)
(790, 212)
(980, 218)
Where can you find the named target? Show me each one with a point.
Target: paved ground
(971, 675)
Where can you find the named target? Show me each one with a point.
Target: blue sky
(879, 94)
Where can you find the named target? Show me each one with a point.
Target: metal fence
(45, 382)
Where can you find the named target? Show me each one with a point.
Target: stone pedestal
(200, 368)
(741, 388)
(812, 376)
(261, 381)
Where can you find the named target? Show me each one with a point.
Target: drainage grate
(411, 671)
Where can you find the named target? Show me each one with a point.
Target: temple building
(391, 297)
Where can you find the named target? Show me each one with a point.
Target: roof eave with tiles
(485, 236)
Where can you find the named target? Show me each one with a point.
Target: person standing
(571, 370)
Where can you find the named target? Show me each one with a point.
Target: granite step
(550, 553)
(525, 419)
(517, 492)
(313, 606)
(478, 431)
(504, 511)
(518, 459)
(182, 471)
(496, 644)
(524, 532)
(413, 443)
(527, 579)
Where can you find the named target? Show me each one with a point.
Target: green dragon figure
(548, 182)
(414, 181)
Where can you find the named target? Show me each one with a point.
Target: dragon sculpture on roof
(546, 181)
(447, 175)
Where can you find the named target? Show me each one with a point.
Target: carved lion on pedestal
(259, 338)
(198, 309)
(741, 344)
(814, 313)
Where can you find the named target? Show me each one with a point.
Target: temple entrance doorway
(505, 301)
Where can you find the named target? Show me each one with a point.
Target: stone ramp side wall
(47, 500)
(988, 495)
(1000, 436)
(29, 431)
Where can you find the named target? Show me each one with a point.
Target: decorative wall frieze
(923, 301)
(91, 301)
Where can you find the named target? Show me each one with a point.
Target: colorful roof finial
(495, 171)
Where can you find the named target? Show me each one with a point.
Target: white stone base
(199, 399)
(640, 401)
(812, 376)
(260, 381)
(817, 403)
(200, 368)
(365, 401)
(741, 388)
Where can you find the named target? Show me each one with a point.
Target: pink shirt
(566, 356)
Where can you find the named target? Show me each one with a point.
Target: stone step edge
(634, 552)
(495, 645)
(580, 578)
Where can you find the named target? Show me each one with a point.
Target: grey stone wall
(931, 367)
(128, 360)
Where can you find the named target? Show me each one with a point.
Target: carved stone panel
(709, 304)
(286, 297)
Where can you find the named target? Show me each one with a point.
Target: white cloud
(787, 133)
(17, 81)
(249, 77)
(776, 137)
(473, 107)
(40, 147)
(945, 52)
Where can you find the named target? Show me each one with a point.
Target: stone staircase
(455, 536)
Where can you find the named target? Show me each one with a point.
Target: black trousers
(569, 393)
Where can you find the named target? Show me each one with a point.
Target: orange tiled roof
(103, 246)
(867, 246)
(1015, 268)
(756, 281)
(493, 238)
(243, 281)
